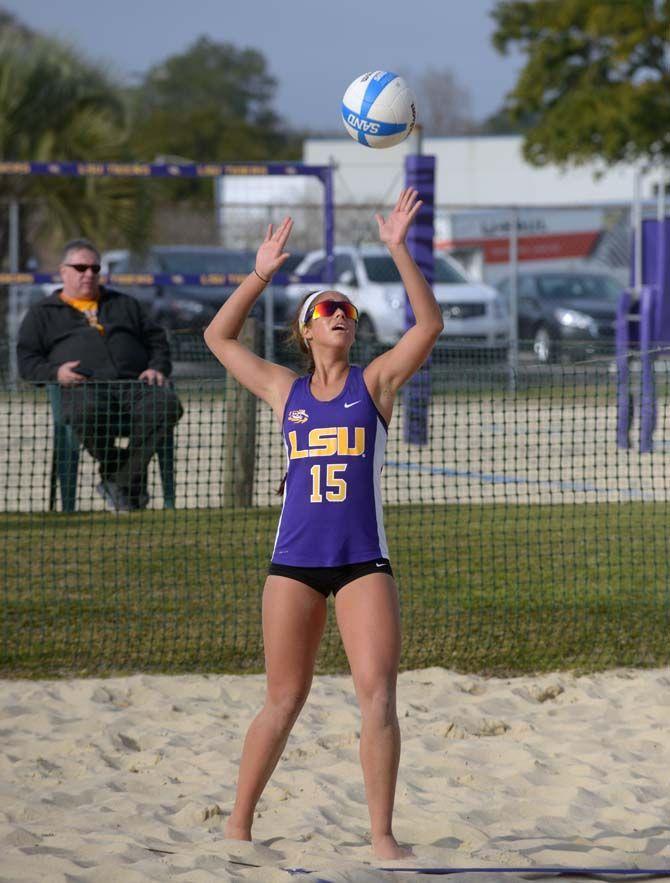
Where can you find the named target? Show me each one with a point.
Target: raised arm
(268, 381)
(387, 373)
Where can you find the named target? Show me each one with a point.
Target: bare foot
(387, 847)
(233, 831)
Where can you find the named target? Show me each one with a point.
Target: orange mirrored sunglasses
(329, 308)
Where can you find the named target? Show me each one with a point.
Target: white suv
(474, 314)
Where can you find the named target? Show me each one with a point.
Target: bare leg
(294, 617)
(369, 621)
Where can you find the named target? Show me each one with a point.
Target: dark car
(184, 308)
(566, 314)
(181, 307)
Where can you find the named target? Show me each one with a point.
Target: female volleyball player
(331, 535)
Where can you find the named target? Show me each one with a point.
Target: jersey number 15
(336, 488)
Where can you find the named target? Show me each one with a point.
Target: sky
(313, 48)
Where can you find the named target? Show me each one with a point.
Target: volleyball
(378, 109)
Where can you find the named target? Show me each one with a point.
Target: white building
(470, 171)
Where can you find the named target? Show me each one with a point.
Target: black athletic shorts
(331, 579)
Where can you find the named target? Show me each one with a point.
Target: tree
(233, 83)
(211, 103)
(9, 24)
(596, 83)
(444, 104)
(54, 106)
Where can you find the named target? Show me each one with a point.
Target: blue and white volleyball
(378, 109)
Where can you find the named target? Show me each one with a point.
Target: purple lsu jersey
(332, 511)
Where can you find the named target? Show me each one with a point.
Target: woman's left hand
(271, 255)
(393, 230)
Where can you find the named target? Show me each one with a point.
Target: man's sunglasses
(329, 308)
(82, 268)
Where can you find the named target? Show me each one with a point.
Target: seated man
(83, 334)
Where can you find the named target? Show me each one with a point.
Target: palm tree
(55, 106)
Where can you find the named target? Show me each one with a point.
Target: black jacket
(53, 332)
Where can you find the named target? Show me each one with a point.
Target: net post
(647, 380)
(13, 312)
(623, 347)
(329, 223)
(420, 174)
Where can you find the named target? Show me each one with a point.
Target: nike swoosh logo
(380, 565)
(351, 404)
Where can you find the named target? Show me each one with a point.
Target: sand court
(131, 778)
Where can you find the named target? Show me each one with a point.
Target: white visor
(308, 303)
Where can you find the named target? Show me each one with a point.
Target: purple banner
(158, 170)
(204, 280)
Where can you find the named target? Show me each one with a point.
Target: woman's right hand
(271, 255)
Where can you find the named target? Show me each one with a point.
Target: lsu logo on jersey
(299, 416)
(326, 441)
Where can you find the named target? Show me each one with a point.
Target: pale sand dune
(130, 779)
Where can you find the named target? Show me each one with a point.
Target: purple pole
(624, 407)
(329, 226)
(653, 327)
(660, 279)
(647, 384)
(420, 174)
(662, 321)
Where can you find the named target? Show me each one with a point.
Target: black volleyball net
(521, 535)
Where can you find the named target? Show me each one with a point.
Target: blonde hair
(295, 337)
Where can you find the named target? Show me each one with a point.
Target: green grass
(485, 588)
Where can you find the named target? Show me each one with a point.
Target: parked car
(183, 307)
(474, 313)
(179, 307)
(566, 314)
